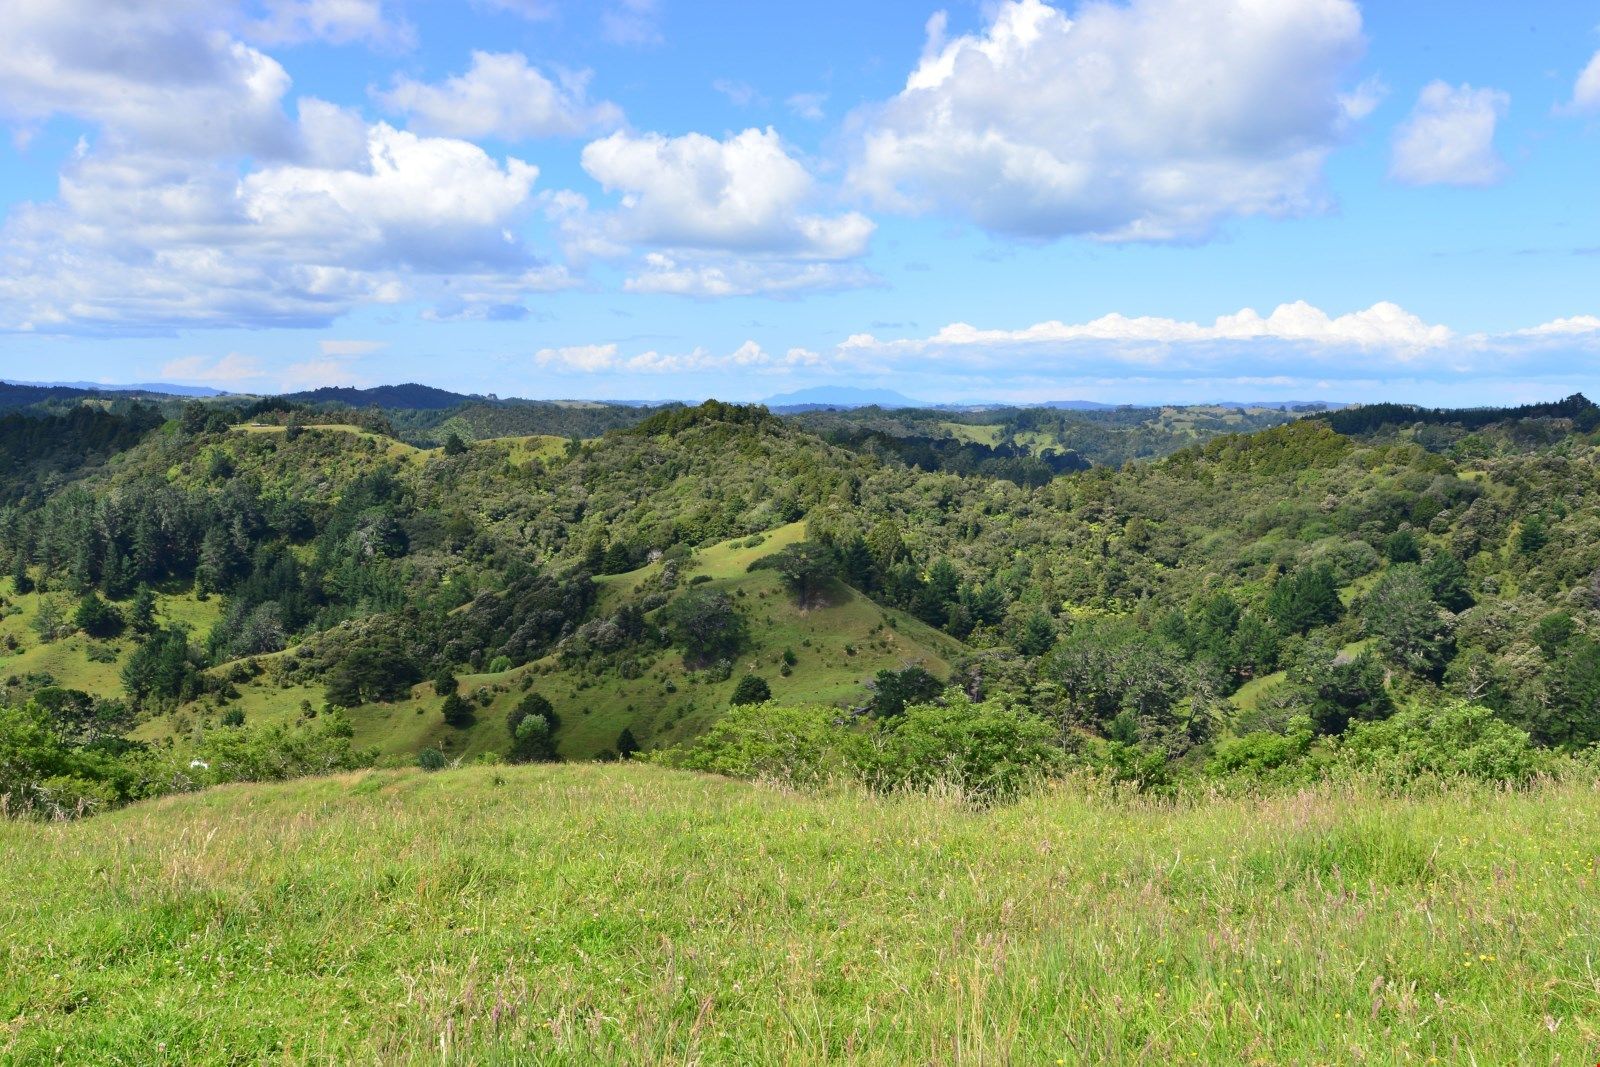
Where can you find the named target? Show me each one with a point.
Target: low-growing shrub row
(46, 773)
(993, 751)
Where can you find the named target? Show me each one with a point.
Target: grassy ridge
(628, 914)
(838, 646)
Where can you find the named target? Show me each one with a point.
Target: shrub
(1457, 740)
(802, 746)
(533, 724)
(275, 753)
(991, 750)
(1265, 756)
(752, 689)
(97, 618)
(431, 759)
(457, 712)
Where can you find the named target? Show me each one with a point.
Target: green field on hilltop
(630, 914)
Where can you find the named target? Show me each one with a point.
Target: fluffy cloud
(501, 95)
(199, 201)
(745, 194)
(1150, 121)
(154, 242)
(158, 73)
(1586, 94)
(1576, 326)
(1449, 137)
(417, 201)
(727, 217)
(579, 357)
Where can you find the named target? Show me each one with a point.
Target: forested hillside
(1257, 604)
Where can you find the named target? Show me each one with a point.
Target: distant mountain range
(416, 397)
(839, 396)
(164, 388)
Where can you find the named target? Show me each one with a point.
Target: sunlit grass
(630, 914)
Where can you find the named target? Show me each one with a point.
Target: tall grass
(632, 914)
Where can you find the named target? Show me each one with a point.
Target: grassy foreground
(629, 914)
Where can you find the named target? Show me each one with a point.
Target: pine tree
(142, 613)
(20, 581)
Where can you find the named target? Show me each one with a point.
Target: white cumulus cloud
(502, 95)
(579, 357)
(745, 193)
(1153, 120)
(698, 216)
(1449, 137)
(1573, 326)
(1586, 93)
(157, 72)
(140, 241)
(197, 200)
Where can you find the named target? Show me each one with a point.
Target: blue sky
(1146, 200)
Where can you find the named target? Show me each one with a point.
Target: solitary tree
(752, 689)
(533, 724)
(457, 712)
(806, 570)
(142, 614)
(705, 625)
(97, 618)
